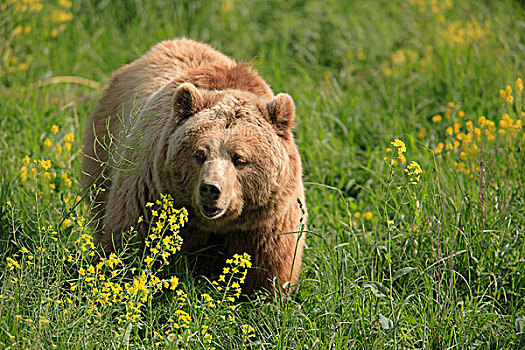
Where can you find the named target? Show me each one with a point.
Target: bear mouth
(211, 212)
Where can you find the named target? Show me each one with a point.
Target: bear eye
(200, 156)
(239, 161)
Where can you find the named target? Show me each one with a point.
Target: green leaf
(402, 272)
(376, 288)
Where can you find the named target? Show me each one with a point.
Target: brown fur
(183, 116)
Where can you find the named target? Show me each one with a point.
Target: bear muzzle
(210, 192)
(214, 192)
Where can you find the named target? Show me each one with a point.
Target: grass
(434, 263)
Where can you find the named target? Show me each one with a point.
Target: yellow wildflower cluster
(50, 171)
(445, 35)
(229, 285)
(12, 263)
(247, 331)
(507, 94)
(165, 217)
(435, 6)
(236, 273)
(413, 170)
(20, 262)
(106, 287)
(181, 325)
(464, 32)
(115, 288)
(458, 32)
(401, 149)
(399, 60)
(362, 217)
(466, 138)
(51, 20)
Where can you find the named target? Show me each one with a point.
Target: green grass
(437, 264)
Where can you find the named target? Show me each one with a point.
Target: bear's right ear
(187, 101)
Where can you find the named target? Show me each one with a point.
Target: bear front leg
(276, 257)
(124, 207)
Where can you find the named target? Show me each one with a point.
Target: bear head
(229, 156)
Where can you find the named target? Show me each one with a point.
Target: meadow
(410, 125)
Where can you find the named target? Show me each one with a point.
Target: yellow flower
(36, 6)
(69, 137)
(398, 143)
(18, 30)
(67, 182)
(519, 84)
(45, 164)
(502, 94)
(451, 105)
(174, 281)
(461, 114)
(414, 171)
(26, 160)
(510, 99)
(248, 330)
(61, 16)
(65, 3)
(437, 118)
(208, 299)
(54, 129)
(33, 172)
(367, 215)
(401, 148)
(23, 173)
(148, 260)
(508, 90)
(47, 143)
(12, 263)
(23, 66)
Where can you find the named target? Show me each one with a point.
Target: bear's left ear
(187, 101)
(281, 112)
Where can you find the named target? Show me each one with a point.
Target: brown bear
(186, 120)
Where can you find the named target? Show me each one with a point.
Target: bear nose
(210, 190)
